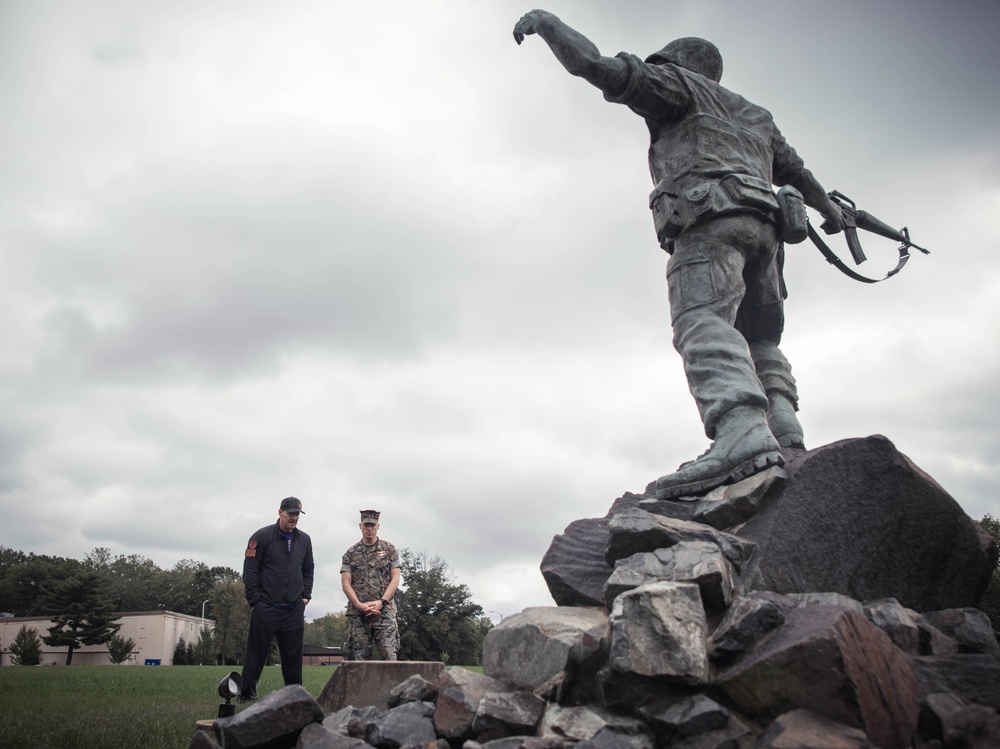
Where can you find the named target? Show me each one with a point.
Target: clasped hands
(371, 608)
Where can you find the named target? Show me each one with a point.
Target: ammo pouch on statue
(793, 225)
(675, 211)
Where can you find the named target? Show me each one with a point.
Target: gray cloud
(385, 257)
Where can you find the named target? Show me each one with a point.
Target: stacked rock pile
(828, 604)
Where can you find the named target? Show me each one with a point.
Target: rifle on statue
(854, 220)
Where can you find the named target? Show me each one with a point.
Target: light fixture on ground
(229, 687)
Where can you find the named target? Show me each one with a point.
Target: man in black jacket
(277, 579)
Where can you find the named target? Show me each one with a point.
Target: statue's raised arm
(574, 51)
(714, 158)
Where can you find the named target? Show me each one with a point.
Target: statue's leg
(706, 286)
(775, 374)
(761, 320)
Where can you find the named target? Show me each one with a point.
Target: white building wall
(155, 634)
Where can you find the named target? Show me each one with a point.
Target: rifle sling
(831, 258)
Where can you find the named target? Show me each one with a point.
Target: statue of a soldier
(714, 157)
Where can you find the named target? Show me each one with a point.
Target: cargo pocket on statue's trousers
(690, 283)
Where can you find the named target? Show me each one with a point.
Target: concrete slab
(364, 683)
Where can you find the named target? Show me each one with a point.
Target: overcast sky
(376, 255)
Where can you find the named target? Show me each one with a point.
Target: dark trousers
(268, 623)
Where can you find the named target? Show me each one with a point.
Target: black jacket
(272, 573)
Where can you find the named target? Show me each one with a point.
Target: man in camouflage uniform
(370, 575)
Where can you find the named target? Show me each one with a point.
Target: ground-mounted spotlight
(229, 687)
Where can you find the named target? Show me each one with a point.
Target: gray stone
(525, 742)
(802, 729)
(351, 721)
(553, 651)
(972, 727)
(363, 683)
(850, 506)
(669, 508)
(503, 714)
(277, 718)
(608, 739)
(574, 567)
(896, 621)
(934, 709)
(836, 663)
(685, 718)
(826, 599)
(635, 531)
(624, 691)
(459, 693)
(734, 735)
(414, 689)
(318, 736)
(969, 627)
(728, 506)
(699, 562)
(578, 723)
(411, 723)
(746, 622)
(659, 630)
(932, 640)
(972, 677)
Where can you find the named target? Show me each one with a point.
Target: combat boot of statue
(743, 446)
(783, 422)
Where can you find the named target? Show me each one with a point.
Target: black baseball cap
(291, 504)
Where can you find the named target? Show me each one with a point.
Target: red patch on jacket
(251, 549)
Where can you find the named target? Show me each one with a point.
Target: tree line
(990, 603)
(437, 618)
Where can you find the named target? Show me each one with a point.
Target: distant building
(317, 655)
(155, 633)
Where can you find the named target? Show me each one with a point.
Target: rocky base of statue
(826, 604)
(855, 517)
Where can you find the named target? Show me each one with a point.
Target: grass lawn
(92, 707)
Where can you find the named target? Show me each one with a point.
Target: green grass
(92, 707)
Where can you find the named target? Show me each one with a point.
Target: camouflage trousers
(364, 631)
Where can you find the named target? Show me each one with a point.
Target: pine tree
(26, 650)
(180, 653)
(119, 649)
(81, 615)
(204, 649)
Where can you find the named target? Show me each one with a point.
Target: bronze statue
(714, 157)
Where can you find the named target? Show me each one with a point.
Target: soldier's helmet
(692, 53)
